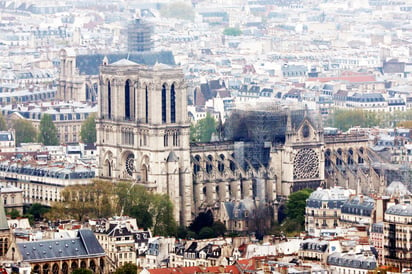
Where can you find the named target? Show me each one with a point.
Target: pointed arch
(146, 107)
(109, 100)
(65, 268)
(164, 103)
(144, 168)
(55, 268)
(127, 99)
(172, 103)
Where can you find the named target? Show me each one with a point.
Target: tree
(162, 210)
(206, 232)
(295, 205)
(82, 201)
(127, 268)
(14, 214)
(182, 232)
(219, 228)
(204, 219)
(178, 10)
(151, 210)
(232, 31)
(25, 132)
(88, 130)
(345, 119)
(3, 125)
(38, 211)
(405, 124)
(48, 131)
(143, 217)
(204, 129)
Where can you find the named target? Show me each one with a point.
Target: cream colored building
(323, 209)
(120, 240)
(398, 236)
(12, 197)
(68, 117)
(43, 183)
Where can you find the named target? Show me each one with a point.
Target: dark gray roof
(335, 197)
(172, 157)
(352, 260)
(359, 206)
(366, 97)
(85, 245)
(400, 210)
(89, 64)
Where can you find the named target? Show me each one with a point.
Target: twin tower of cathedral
(143, 130)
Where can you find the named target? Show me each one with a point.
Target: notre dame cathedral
(143, 136)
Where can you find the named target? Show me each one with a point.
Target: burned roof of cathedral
(88, 64)
(264, 125)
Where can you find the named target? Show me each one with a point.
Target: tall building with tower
(143, 130)
(139, 36)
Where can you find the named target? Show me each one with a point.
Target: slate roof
(366, 97)
(335, 198)
(89, 64)
(352, 260)
(359, 206)
(85, 245)
(172, 157)
(400, 210)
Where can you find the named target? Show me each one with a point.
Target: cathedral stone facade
(143, 130)
(143, 136)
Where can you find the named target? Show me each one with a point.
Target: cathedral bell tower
(143, 130)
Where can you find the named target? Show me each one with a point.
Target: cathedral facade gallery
(143, 136)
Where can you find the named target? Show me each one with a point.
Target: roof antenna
(128, 54)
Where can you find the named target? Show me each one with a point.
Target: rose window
(130, 164)
(306, 164)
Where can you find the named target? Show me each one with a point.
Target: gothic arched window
(163, 103)
(109, 101)
(172, 104)
(127, 100)
(146, 105)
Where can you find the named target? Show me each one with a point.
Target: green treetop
(3, 125)
(204, 129)
(179, 10)
(48, 131)
(232, 32)
(25, 131)
(88, 130)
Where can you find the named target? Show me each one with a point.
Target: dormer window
(305, 131)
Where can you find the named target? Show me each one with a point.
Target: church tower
(143, 130)
(5, 233)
